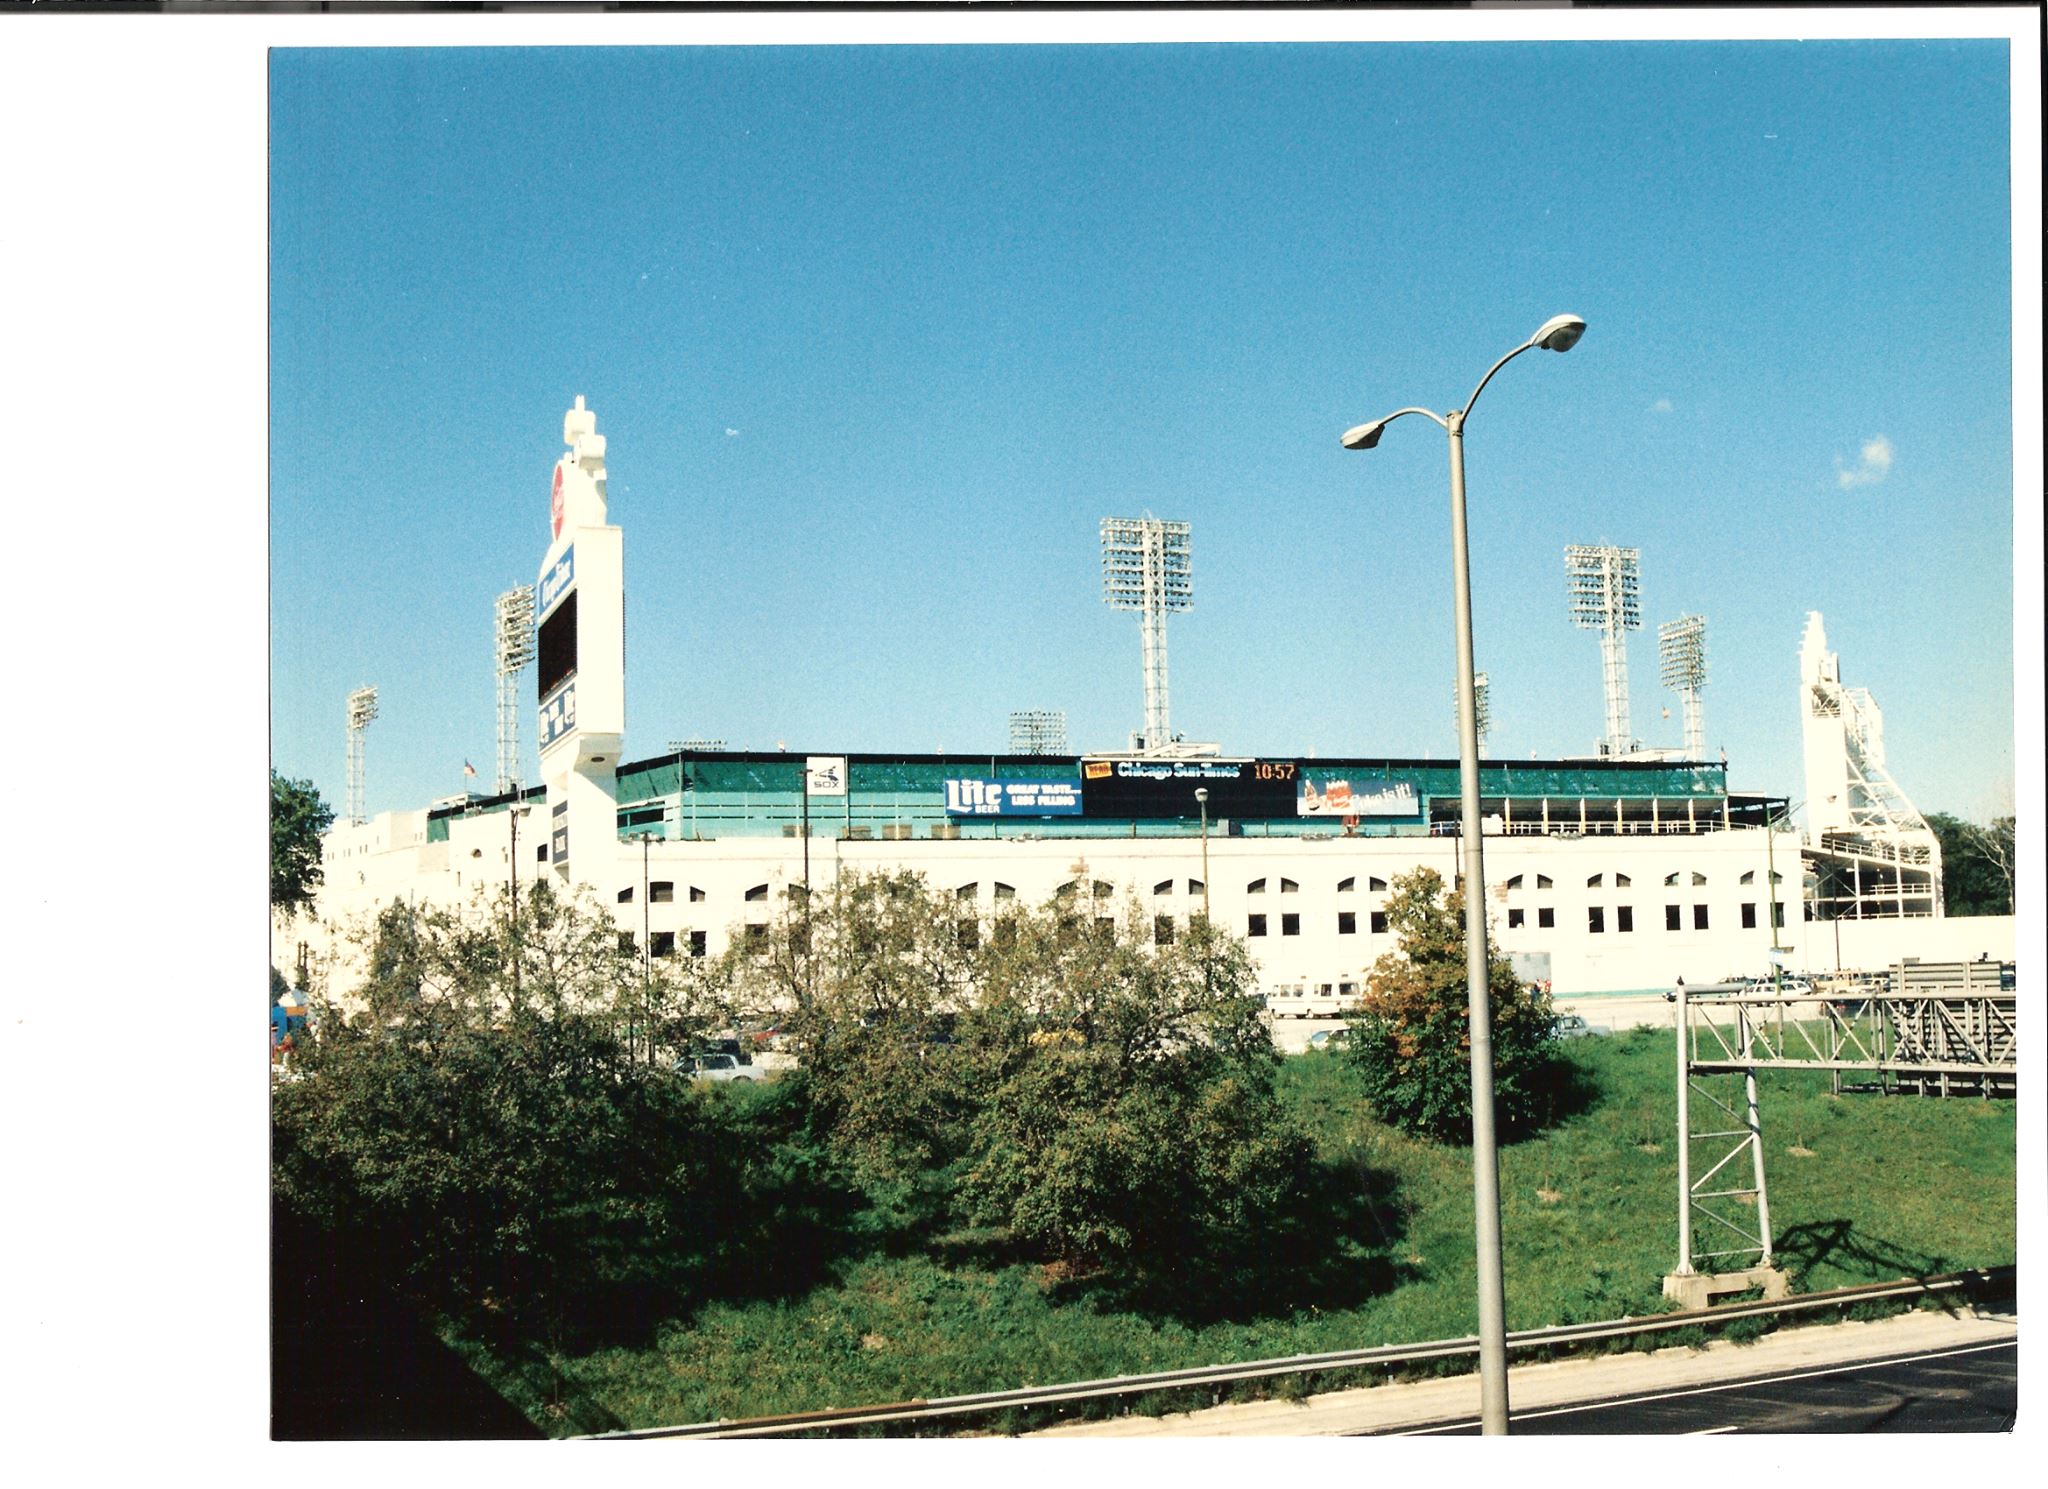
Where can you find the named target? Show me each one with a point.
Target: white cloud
(1875, 465)
(1661, 406)
(730, 433)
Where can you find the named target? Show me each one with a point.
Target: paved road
(1537, 1390)
(1971, 1388)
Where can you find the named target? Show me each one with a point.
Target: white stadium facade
(1613, 874)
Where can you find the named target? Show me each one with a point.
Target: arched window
(1288, 886)
(1670, 880)
(1596, 881)
(1748, 877)
(1257, 886)
(1345, 886)
(1376, 884)
(968, 891)
(1516, 882)
(758, 892)
(1622, 881)
(1006, 891)
(1164, 886)
(1698, 878)
(1543, 881)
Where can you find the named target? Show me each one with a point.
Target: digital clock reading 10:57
(1272, 770)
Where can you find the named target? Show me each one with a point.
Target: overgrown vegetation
(1012, 1155)
(1976, 864)
(1412, 1042)
(1049, 1070)
(297, 819)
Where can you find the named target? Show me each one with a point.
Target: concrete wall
(1869, 945)
(476, 858)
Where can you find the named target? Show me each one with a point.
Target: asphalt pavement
(1539, 1394)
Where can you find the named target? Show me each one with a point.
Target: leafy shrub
(1412, 1042)
(495, 1141)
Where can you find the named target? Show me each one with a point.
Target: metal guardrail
(1987, 1282)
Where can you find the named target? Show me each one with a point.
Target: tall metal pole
(513, 874)
(1558, 334)
(646, 951)
(1493, 1350)
(1684, 1140)
(1202, 801)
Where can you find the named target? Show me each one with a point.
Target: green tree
(1049, 1070)
(1976, 865)
(297, 819)
(1135, 1124)
(491, 1136)
(1412, 1042)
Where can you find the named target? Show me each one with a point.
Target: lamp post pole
(1560, 333)
(1202, 801)
(514, 813)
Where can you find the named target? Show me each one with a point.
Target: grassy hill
(1862, 1187)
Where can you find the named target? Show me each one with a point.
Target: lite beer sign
(977, 796)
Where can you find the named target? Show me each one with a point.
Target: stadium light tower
(362, 707)
(1038, 731)
(1146, 567)
(1682, 649)
(1603, 584)
(1558, 334)
(514, 655)
(1481, 705)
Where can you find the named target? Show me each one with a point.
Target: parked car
(713, 1067)
(1571, 1026)
(1329, 1039)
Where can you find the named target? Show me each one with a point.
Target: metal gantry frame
(1936, 1028)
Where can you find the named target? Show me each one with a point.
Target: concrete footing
(1699, 1289)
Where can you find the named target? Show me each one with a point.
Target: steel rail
(1990, 1281)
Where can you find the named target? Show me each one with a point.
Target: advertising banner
(978, 796)
(558, 838)
(1327, 796)
(825, 775)
(1166, 788)
(555, 583)
(558, 715)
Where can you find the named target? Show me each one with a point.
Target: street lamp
(1202, 801)
(513, 814)
(646, 949)
(1558, 334)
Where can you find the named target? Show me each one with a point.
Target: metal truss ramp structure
(1923, 1028)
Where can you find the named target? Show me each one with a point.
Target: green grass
(1893, 1186)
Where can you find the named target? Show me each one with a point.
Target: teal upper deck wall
(749, 795)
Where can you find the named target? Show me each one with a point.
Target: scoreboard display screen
(557, 646)
(1166, 788)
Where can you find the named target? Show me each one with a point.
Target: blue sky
(878, 335)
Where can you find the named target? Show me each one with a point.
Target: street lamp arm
(1467, 410)
(1365, 436)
